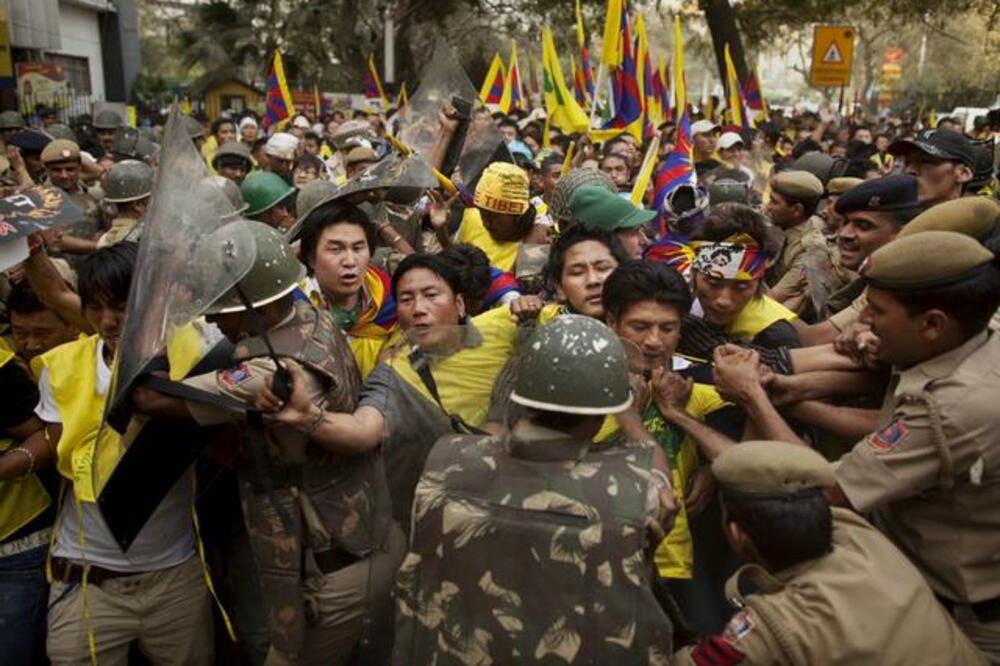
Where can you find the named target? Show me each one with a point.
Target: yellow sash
(23, 499)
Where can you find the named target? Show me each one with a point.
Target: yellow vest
(88, 450)
(23, 499)
(473, 231)
(674, 557)
(758, 315)
(464, 379)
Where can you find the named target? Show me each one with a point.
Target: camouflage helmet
(222, 194)
(726, 190)
(574, 178)
(821, 165)
(235, 149)
(61, 131)
(263, 191)
(130, 144)
(107, 119)
(128, 180)
(275, 271)
(575, 365)
(10, 120)
(193, 127)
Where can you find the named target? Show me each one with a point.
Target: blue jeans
(24, 593)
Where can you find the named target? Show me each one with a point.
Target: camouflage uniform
(529, 548)
(338, 505)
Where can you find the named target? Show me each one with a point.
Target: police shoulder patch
(739, 626)
(890, 436)
(236, 376)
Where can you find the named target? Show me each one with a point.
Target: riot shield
(35, 209)
(170, 289)
(442, 81)
(439, 381)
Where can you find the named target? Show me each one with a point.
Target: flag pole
(597, 91)
(645, 172)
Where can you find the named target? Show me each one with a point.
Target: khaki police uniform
(930, 474)
(861, 603)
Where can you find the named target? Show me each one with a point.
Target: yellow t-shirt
(473, 231)
(758, 315)
(674, 557)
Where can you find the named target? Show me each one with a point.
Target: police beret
(842, 184)
(887, 194)
(769, 467)
(61, 150)
(925, 260)
(797, 185)
(972, 216)
(28, 140)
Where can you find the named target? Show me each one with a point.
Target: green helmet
(128, 180)
(263, 191)
(275, 271)
(60, 131)
(575, 365)
(108, 119)
(11, 120)
(130, 144)
(234, 149)
(193, 127)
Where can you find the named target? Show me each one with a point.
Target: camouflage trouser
(350, 603)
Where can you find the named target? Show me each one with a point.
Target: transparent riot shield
(170, 288)
(445, 83)
(820, 276)
(439, 382)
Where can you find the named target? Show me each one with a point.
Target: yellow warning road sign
(832, 55)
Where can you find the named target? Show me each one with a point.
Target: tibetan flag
(402, 99)
(579, 85)
(373, 85)
(666, 101)
(492, 88)
(625, 87)
(680, 92)
(644, 78)
(278, 107)
(511, 100)
(754, 95)
(581, 41)
(501, 284)
(674, 250)
(678, 167)
(561, 108)
(739, 114)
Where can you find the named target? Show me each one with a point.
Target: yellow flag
(611, 49)
(642, 48)
(645, 172)
(680, 94)
(560, 105)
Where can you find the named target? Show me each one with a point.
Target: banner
(41, 83)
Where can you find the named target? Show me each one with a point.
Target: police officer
(128, 185)
(62, 167)
(927, 471)
(106, 126)
(821, 586)
(269, 199)
(318, 519)
(232, 160)
(129, 144)
(528, 546)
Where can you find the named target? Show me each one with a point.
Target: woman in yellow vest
(336, 247)
(103, 599)
(733, 249)
(26, 516)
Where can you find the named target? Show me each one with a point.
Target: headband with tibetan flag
(738, 257)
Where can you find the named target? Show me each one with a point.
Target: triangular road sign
(832, 54)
